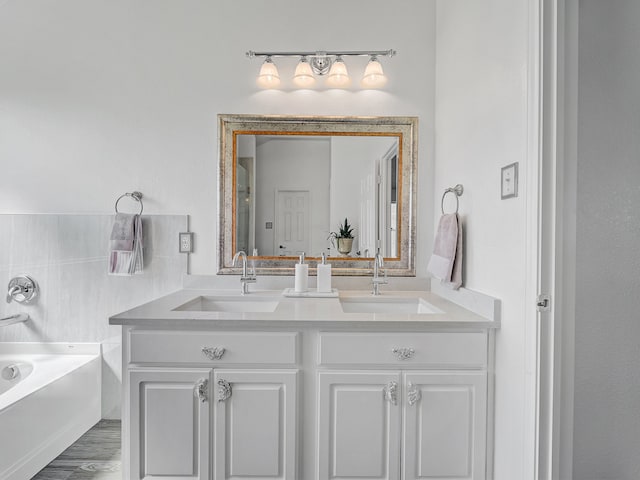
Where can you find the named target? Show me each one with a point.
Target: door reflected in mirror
(292, 191)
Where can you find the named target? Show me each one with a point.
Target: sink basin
(229, 303)
(387, 305)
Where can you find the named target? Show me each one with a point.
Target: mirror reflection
(294, 193)
(343, 186)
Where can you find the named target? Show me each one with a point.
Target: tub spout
(11, 319)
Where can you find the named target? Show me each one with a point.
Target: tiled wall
(67, 256)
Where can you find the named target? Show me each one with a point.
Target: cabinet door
(359, 425)
(255, 424)
(169, 423)
(445, 425)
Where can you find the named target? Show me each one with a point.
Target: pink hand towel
(444, 247)
(446, 261)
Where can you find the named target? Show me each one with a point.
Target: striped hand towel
(125, 249)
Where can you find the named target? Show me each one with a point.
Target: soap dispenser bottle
(324, 275)
(301, 282)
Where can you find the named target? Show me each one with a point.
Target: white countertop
(301, 312)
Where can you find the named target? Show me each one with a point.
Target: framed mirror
(288, 184)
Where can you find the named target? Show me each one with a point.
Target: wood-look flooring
(95, 456)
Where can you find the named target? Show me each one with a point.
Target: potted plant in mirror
(343, 238)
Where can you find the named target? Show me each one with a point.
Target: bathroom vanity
(220, 386)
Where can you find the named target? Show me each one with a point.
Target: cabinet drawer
(435, 349)
(216, 348)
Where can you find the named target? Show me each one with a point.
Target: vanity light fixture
(303, 76)
(338, 75)
(374, 76)
(319, 64)
(268, 76)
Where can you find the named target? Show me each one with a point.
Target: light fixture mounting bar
(346, 53)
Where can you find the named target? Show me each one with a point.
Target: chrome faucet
(245, 279)
(378, 263)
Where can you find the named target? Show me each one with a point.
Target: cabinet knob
(224, 390)
(213, 353)
(403, 353)
(413, 394)
(391, 392)
(201, 390)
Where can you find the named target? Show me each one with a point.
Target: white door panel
(292, 227)
(172, 440)
(359, 428)
(255, 427)
(445, 426)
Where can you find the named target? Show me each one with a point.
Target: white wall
(481, 126)
(293, 164)
(100, 98)
(362, 154)
(67, 256)
(246, 145)
(607, 327)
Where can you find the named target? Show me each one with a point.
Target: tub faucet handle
(13, 291)
(22, 289)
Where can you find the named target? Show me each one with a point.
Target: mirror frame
(405, 128)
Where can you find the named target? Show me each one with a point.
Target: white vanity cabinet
(425, 421)
(207, 404)
(388, 425)
(306, 400)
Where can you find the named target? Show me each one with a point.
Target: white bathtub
(49, 397)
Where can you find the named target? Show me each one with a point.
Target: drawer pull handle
(201, 390)
(413, 394)
(213, 353)
(391, 392)
(224, 390)
(403, 353)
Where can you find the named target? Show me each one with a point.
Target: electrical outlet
(186, 242)
(509, 181)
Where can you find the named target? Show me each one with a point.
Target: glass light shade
(268, 76)
(374, 76)
(338, 75)
(303, 76)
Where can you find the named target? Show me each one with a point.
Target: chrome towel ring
(457, 190)
(137, 196)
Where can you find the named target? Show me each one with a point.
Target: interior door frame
(551, 203)
(383, 220)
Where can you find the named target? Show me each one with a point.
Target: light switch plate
(509, 181)
(186, 242)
